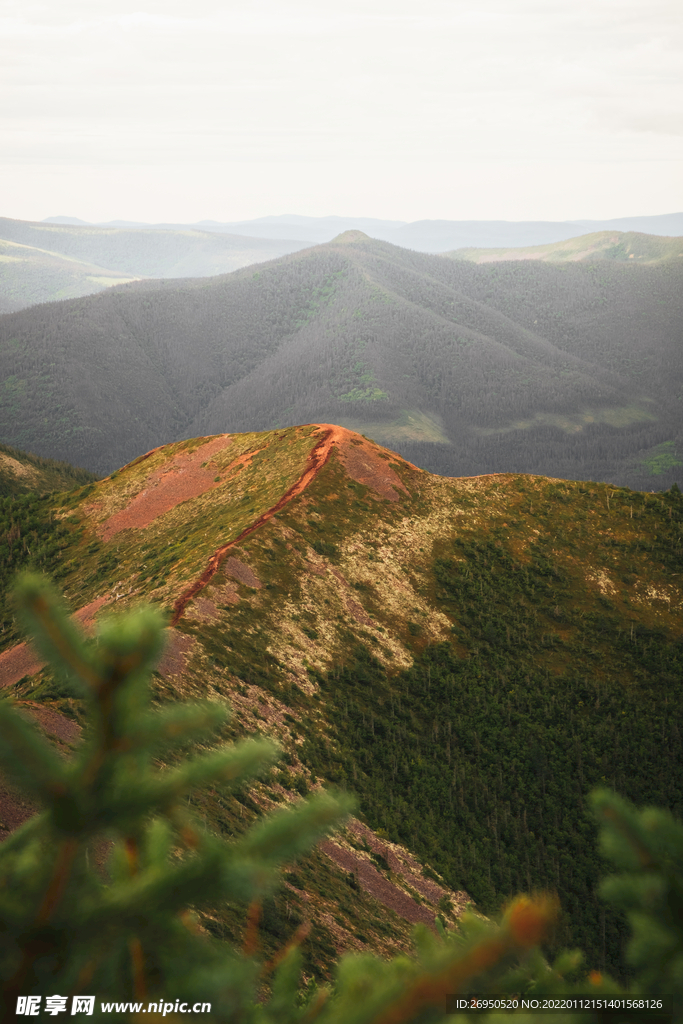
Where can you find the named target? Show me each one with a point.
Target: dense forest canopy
(571, 370)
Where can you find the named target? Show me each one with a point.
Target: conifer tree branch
(67, 854)
(302, 932)
(250, 944)
(54, 633)
(317, 1006)
(37, 945)
(138, 961)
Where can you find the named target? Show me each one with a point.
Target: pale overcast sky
(408, 109)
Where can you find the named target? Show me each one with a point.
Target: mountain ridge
(468, 656)
(24, 473)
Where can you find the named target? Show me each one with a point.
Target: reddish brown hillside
(391, 630)
(160, 492)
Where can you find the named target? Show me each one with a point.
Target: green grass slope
(572, 370)
(29, 276)
(599, 245)
(468, 656)
(146, 252)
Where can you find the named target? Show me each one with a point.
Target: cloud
(261, 80)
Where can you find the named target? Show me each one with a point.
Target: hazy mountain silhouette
(422, 235)
(64, 258)
(607, 245)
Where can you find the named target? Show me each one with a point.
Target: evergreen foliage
(487, 782)
(126, 930)
(30, 537)
(37, 475)
(126, 927)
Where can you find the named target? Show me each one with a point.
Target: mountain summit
(350, 236)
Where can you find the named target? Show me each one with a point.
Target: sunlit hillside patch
(57, 261)
(574, 423)
(661, 458)
(17, 470)
(30, 275)
(410, 425)
(108, 281)
(21, 473)
(364, 395)
(598, 245)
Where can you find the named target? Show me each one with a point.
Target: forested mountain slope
(574, 370)
(469, 656)
(41, 262)
(24, 473)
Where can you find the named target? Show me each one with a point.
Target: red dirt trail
(184, 478)
(317, 457)
(361, 462)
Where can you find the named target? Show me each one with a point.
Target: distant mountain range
(572, 370)
(468, 657)
(422, 235)
(64, 257)
(44, 262)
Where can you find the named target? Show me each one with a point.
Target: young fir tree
(129, 935)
